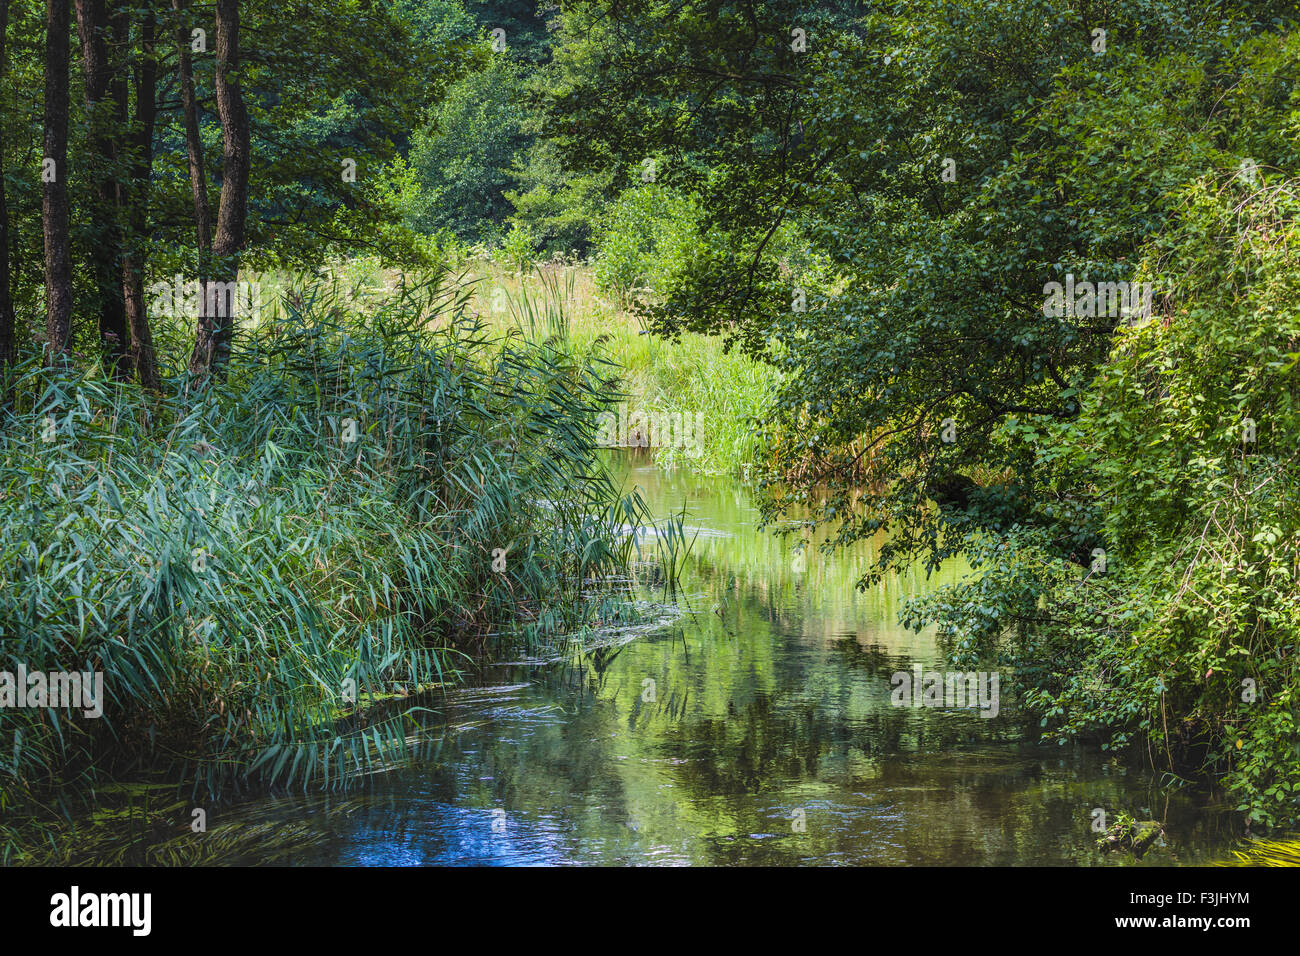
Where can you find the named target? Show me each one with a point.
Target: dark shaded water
(757, 728)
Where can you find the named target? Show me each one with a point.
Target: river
(755, 728)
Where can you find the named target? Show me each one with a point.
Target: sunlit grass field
(692, 375)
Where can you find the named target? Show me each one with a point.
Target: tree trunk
(193, 143)
(216, 325)
(54, 182)
(134, 196)
(198, 171)
(92, 28)
(6, 297)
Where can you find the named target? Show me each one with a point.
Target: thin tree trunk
(135, 200)
(212, 341)
(6, 296)
(193, 142)
(93, 28)
(194, 150)
(54, 187)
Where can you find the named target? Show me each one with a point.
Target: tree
(193, 140)
(54, 175)
(100, 73)
(463, 155)
(212, 340)
(906, 148)
(300, 92)
(949, 169)
(134, 193)
(7, 317)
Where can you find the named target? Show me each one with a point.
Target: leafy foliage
(942, 164)
(645, 241)
(463, 155)
(1186, 632)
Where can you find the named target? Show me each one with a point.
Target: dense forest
(284, 440)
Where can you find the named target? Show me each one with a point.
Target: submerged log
(1136, 837)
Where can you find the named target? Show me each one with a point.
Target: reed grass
(692, 374)
(378, 493)
(1284, 851)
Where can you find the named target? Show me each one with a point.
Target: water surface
(756, 728)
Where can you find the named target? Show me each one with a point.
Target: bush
(560, 206)
(462, 156)
(1191, 431)
(647, 239)
(1186, 635)
(518, 249)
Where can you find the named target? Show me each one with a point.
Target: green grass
(559, 301)
(689, 376)
(1276, 852)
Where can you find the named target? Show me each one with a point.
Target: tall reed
(368, 501)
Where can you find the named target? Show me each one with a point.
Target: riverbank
(756, 727)
(370, 502)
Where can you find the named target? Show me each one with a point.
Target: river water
(754, 728)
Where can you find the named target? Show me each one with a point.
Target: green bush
(648, 237)
(1191, 431)
(518, 249)
(462, 157)
(1185, 629)
(560, 206)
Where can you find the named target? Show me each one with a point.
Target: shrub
(648, 238)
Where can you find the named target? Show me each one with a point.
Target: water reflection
(756, 729)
